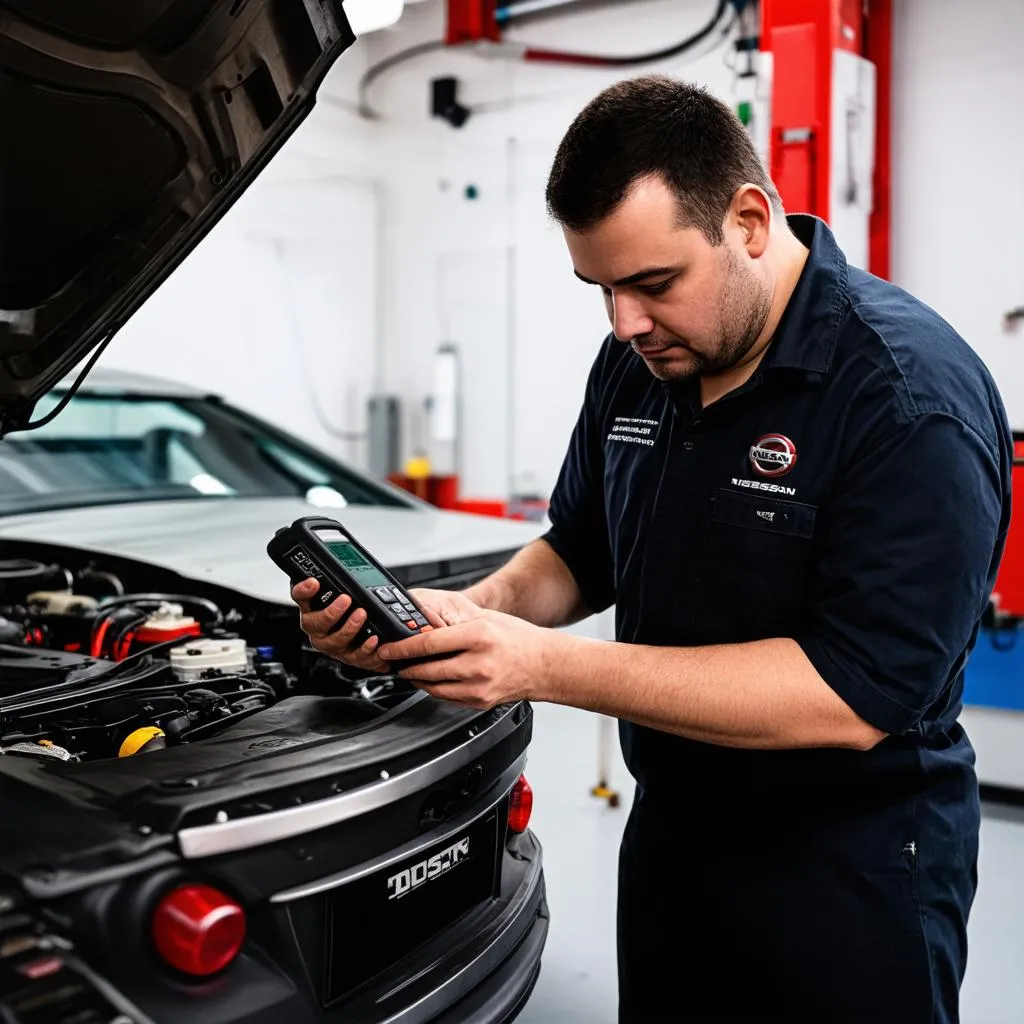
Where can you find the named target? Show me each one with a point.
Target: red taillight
(520, 806)
(198, 930)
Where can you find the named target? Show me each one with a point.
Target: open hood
(128, 130)
(224, 542)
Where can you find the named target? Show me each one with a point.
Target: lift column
(830, 75)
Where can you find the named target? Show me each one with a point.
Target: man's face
(688, 308)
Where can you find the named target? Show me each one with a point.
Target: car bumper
(501, 997)
(480, 970)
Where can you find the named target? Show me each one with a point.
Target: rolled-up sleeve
(906, 554)
(579, 528)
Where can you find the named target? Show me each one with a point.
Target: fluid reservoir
(167, 623)
(190, 661)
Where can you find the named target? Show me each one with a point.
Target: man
(791, 479)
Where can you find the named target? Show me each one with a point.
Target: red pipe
(558, 57)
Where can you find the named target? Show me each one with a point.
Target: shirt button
(688, 446)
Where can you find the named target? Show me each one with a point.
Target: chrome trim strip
(411, 849)
(259, 829)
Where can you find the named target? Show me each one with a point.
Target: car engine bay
(114, 661)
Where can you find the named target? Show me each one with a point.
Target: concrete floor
(581, 835)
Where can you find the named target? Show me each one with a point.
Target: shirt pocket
(777, 516)
(756, 566)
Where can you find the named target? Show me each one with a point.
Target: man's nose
(629, 318)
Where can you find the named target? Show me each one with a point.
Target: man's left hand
(494, 659)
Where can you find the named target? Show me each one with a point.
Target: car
(201, 817)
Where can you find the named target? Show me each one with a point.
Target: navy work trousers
(855, 919)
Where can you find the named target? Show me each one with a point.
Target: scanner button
(412, 625)
(420, 621)
(398, 610)
(384, 593)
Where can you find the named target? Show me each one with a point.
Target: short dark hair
(654, 125)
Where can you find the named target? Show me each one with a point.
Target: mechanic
(791, 479)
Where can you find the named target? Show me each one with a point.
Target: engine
(91, 669)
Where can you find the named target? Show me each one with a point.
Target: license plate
(375, 921)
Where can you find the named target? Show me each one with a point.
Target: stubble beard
(744, 307)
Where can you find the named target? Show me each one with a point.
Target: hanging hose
(538, 55)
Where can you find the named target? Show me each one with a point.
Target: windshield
(111, 448)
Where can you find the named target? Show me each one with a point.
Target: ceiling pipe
(520, 12)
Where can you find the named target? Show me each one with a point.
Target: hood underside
(128, 130)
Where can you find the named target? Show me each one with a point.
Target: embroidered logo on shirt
(760, 485)
(770, 516)
(632, 430)
(773, 455)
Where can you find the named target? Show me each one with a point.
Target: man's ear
(751, 213)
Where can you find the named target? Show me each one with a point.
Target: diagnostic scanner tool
(323, 549)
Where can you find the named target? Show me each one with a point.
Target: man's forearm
(535, 585)
(764, 694)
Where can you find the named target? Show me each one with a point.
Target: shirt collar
(805, 338)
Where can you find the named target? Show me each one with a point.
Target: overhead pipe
(522, 11)
(475, 23)
(539, 55)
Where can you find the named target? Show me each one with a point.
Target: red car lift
(803, 37)
(471, 21)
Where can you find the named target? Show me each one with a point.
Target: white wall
(958, 172)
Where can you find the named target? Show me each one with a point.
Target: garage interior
(392, 292)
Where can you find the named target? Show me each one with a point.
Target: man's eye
(655, 289)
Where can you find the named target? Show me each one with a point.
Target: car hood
(129, 129)
(224, 542)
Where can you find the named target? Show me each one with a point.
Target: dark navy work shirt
(852, 496)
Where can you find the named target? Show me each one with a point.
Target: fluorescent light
(370, 15)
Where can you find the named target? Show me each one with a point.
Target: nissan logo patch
(773, 455)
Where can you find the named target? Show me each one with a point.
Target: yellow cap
(135, 741)
(418, 467)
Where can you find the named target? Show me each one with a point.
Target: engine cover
(23, 670)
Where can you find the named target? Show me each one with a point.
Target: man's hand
(441, 607)
(338, 644)
(494, 658)
(446, 607)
